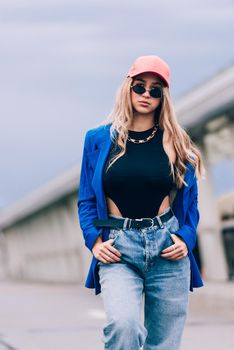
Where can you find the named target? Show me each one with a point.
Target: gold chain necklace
(146, 139)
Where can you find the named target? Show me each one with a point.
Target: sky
(62, 61)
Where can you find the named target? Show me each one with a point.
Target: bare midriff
(113, 209)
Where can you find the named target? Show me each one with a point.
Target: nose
(146, 93)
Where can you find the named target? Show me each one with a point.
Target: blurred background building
(40, 237)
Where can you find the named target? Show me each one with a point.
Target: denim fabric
(142, 272)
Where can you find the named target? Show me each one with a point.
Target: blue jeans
(164, 282)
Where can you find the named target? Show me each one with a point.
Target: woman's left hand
(176, 251)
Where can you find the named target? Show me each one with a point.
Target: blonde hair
(121, 116)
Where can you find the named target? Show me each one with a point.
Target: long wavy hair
(121, 115)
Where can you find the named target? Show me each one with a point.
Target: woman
(137, 208)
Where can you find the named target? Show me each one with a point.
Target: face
(148, 80)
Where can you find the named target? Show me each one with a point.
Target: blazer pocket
(93, 157)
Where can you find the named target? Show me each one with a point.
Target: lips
(144, 103)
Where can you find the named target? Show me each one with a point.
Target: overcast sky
(61, 62)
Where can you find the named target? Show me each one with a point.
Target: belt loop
(160, 222)
(125, 223)
(172, 212)
(130, 222)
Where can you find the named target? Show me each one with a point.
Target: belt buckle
(152, 221)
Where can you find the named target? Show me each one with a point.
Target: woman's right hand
(104, 252)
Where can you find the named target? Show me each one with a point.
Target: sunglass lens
(138, 89)
(156, 92)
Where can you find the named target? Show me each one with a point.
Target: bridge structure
(40, 237)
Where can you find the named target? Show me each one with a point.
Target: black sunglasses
(155, 92)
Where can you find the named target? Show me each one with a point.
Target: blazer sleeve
(188, 231)
(87, 208)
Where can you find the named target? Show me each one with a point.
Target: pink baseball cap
(153, 64)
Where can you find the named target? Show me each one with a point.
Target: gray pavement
(71, 317)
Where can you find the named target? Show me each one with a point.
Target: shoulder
(99, 131)
(95, 136)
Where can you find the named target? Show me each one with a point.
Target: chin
(144, 110)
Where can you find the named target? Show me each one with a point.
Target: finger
(106, 254)
(176, 246)
(107, 259)
(172, 254)
(109, 256)
(114, 251)
(103, 260)
(169, 249)
(181, 257)
(168, 256)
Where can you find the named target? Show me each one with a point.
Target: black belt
(126, 223)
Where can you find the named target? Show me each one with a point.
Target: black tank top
(139, 180)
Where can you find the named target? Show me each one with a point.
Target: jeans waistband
(116, 221)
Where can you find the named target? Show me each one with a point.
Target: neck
(141, 122)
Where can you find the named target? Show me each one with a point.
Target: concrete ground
(69, 317)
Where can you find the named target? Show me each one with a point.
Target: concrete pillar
(210, 241)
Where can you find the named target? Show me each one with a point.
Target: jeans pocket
(168, 234)
(171, 229)
(172, 225)
(168, 239)
(115, 234)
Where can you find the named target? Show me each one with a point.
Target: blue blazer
(92, 203)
